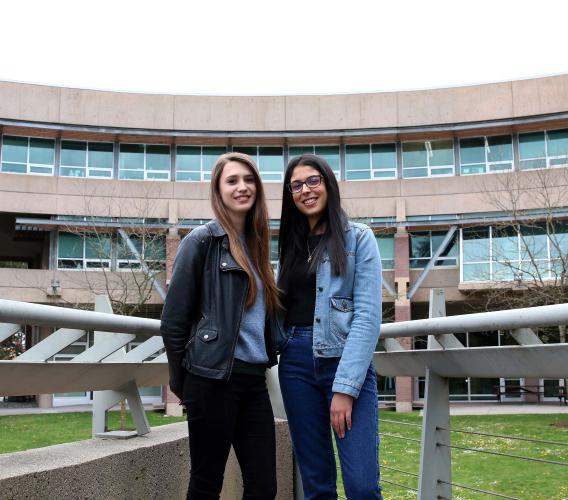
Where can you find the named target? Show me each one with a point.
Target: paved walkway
(506, 408)
(12, 409)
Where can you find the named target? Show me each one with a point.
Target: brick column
(404, 385)
(173, 408)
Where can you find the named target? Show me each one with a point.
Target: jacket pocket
(206, 335)
(340, 316)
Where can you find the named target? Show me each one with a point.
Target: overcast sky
(280, 47)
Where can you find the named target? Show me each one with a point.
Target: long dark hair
(257, 232)
(294, 227)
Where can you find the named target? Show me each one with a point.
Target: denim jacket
(348, 314)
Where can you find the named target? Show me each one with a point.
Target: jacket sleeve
(182, 304)
(365, 328)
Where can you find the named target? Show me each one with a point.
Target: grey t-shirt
(251, 346)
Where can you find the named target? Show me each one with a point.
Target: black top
(301, 289)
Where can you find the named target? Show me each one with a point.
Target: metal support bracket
(432, 261)
(105, 400)
(145, 269)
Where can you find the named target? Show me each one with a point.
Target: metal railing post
(435, 460)
(105, 400)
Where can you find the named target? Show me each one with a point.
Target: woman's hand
(340, 413)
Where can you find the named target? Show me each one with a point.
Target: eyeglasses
(313, 181)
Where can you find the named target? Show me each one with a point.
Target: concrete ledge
(151, 466)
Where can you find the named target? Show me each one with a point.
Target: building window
(543, 149)
(482, 155)
(386, 249)
(427, 158)
(151, 247)
(328, 153)
(86, 159)
(270, 160)
(144, 162)
(424, 244)
(28, 155)
(370, 161)
(194, 163)
(274, 251)
(84, 251)
(527, 253)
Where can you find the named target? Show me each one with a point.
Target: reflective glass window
(27, 155)
(86, 159)
(328, 153)
(370, 161)
(427, 158)
(480, 155)
(386, 249)
(144, 161)
(270, 160)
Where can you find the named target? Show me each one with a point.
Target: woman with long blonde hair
(218, 336)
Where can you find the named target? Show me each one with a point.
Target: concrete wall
(32, 194)
(152, 466)
(284, 113)
(31, 285)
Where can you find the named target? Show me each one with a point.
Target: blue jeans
(306, 383)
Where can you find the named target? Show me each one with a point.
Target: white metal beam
(37, 377)
(25, 313)
(7, 330)
(525, 336)
(536, 361)
(51, 345)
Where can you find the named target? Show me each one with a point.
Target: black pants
(222, 413)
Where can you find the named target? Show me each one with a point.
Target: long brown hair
(257, 232)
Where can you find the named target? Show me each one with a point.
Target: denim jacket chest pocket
(341, 312)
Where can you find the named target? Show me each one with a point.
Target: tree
(528, 243)
(95, 242)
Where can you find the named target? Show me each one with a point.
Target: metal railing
(113, 373)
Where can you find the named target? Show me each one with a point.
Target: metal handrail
(43, 315)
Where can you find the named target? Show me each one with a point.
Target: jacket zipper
(238, 330)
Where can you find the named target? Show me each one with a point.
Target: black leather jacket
(204, 306)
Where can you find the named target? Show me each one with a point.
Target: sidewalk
(13, 409)
(506, 408)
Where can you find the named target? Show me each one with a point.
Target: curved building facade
(438, 174)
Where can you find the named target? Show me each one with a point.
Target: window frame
(256, 159)
(315, 152)
(547, 158)
(27, 164)
(146, 171)
(428, 166)
(371, 168)
(432, 251)
(487, 163)
(87, 167)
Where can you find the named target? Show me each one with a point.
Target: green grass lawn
(515, 478)
(23, 432)
(512, 477)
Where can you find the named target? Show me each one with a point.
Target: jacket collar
(216, 228)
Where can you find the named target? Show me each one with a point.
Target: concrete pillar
(38, 334)
(532, 385)
(44, 400)
(172, 244)
(172, 406)
(404, 385)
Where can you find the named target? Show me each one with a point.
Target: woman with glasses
(217, 337)
(330, 274)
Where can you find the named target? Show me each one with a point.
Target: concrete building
(426, 169)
